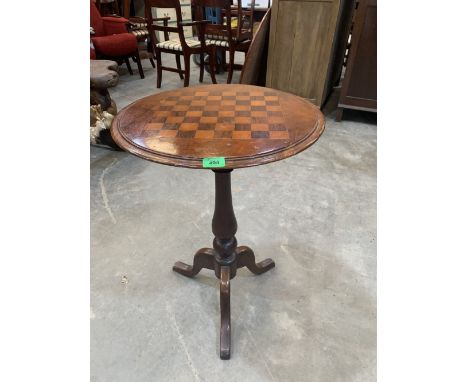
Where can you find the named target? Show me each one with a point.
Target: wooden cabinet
(359, 89)
(306, 46)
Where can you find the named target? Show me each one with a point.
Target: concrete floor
(312, 318)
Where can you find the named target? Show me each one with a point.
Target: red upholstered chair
(112, 41)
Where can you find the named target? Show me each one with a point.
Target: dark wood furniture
(254, 69)
(180, 47)
(240, 125)
(359, 89)
(139, 27)
(126, 7)
(110, 7)
(307, 45)
(227, 35)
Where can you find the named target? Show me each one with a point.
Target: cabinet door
(359, 90)
(300, 46)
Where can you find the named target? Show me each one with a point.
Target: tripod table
(219, 127)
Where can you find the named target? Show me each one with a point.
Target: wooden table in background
(246, 126)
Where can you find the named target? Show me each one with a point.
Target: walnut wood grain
(248, 125)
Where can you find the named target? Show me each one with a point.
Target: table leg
(225, 256)
(204, 258)
(225, 307)
(246, 258)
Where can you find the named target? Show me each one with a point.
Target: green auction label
(214, 162)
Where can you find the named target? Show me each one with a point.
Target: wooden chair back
(155, 25)
(108, 7)
(248, 14)
(224, 30)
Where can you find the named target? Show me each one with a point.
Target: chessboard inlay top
(238, 122)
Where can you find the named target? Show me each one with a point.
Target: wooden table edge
(231, 163)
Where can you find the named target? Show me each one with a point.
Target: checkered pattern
(219, 115)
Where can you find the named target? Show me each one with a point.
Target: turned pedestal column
(225, 256)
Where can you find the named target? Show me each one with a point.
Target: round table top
(246, 125)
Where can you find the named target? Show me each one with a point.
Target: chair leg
(159, 69)
(138, 61)
(222, 66)
(231, 65)
(129, 68)
(177, 57)
(212, 62)
(187, 69)
(202, 66)
(150, 50)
